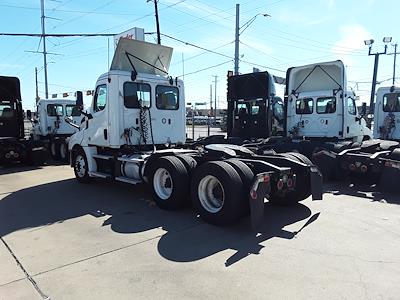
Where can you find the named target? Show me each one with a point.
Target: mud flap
(259, 189)
(316, 183)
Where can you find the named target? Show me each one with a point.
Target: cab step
(127, 180)
(102, 156)
(100, 175)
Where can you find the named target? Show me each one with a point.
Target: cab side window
(136, 95)
(167, 97)
(304, 106)
(100, 98)
(54, 110)
(351, 106)
(326, 105)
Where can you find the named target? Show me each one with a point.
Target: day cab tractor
(134, 132)
(15, 146)
(50, 127)
(319, 118)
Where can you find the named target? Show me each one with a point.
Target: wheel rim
(162, 183)
(211, 194)
(80, 166)
(63, 150)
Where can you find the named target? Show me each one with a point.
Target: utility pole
(37, 89)
(369, 43)
(394, 64)
(236, 70)
(211, 104)
(157, 22)
(46, 88)
(215, 98)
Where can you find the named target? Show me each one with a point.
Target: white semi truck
(134, 132)
(320, 120)
(50, 127)
(387, 113)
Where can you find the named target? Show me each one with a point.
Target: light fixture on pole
(386, 41)
(239, 30)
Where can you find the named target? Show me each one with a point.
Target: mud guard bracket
(316, 183)
(260, 188)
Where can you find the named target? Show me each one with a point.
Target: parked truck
(50, 127)
(135, 132)
(15, 145)
(387, 114)
(319, 118)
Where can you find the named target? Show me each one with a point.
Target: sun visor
(317, 77)
(146, 57)
(9, 88)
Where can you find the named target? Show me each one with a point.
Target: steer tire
(169, 183)
(63, 150)
(81, 168)
(395, 155)
(54, 149)
(228, 187)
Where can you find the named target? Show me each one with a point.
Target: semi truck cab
(387, 113)
(319, 105)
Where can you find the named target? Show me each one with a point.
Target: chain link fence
(203, 127)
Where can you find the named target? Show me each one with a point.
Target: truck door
(169, 115)
(137, 96)
(352, 122)
(98, 127)
(328, 116)
(390, 119)
(55, 113)
(8, 119)
(302, 122)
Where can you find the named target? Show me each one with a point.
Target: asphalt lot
(64, 240)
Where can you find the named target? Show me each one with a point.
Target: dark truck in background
(15, 146)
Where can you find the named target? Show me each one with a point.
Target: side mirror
(28, 114)
(363, 110)
(79, 100)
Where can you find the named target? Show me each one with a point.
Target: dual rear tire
(216, 188)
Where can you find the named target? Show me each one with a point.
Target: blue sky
(298, 32)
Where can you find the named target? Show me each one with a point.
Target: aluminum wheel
(211, 194)
(80, 166)
(162, 183)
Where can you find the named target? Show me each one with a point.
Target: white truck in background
(387, 113)
(50, 127)
(320, 105)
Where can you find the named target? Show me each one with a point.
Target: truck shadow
(207, 240)
(129, 210)
(9, 169)
(362, 190)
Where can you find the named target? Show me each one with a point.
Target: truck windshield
(6, 111)
(72, 110)
(391, 102)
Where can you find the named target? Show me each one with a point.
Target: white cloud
(352, 39)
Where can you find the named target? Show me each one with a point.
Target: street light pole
(369, 43)
(46, 88)
(236, 72)
(238, 31)
(394, 63)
